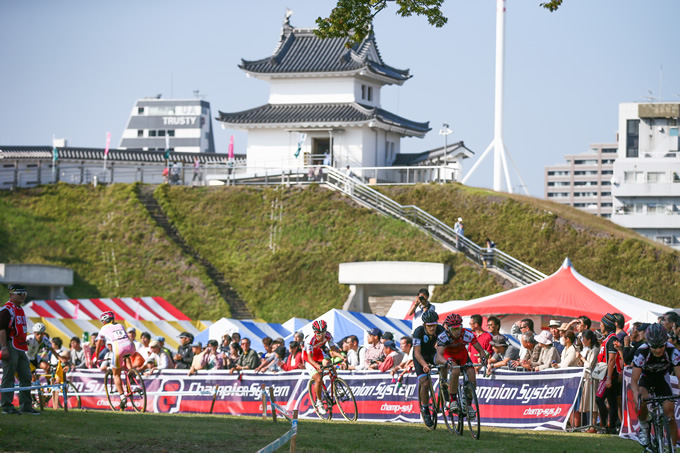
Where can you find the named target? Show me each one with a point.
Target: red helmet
(319, 326)
(453, 320)
(106, 317)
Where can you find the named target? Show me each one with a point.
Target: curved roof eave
(365, 71)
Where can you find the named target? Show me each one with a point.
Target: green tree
(353, 18)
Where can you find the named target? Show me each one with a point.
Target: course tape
(281, 441)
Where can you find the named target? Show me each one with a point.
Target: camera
(422, 299)
(673, 337)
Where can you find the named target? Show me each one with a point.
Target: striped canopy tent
(564, 295)
(342, 323)
(295, 324)
(66, 318)
(255, 331)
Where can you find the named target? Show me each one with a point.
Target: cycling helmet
(656, 335)
(453, 320)
(106, 317)
(38, 327)
(17, 289)
(319, 326)
(429, 317)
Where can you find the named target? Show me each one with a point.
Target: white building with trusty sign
(183, 125)
(646, 181)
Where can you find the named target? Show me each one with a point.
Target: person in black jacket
(637, 337)
(184, 355)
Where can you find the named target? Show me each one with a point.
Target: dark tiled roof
(425, 156)
(320, 114)
(45, 152)
(301, 51)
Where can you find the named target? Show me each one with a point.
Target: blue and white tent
(255, 331)
(342, 323)
(295, 324)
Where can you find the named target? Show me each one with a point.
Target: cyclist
(114, 336)
(38, 345)
(652, 363)
(451, 349)
(318, 346)
(424, 351)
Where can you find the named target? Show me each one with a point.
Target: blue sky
(74, 68)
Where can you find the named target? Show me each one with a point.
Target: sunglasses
(19, 293)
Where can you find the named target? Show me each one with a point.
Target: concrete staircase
(238, 307)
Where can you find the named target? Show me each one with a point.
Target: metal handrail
(365, 195)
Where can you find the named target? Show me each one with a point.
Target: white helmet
(38, 327)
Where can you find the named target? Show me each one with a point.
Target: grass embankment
(542, 234)
(116, 250)
(311, 231)
(108, 431)
(106, 236)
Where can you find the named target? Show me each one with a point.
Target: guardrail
(490, 258)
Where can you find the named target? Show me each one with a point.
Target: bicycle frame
(660, 440)
(133, 386)
(332, 398)
(467, 403)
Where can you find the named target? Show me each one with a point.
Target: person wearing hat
(375, 350)
(393, 356)
(612, 388)
(549, 354)
(185, 355)
(156, 359)
(132, 336)
(166, 351)
(13, 347)
(503, 353)
(554, 328)
(386, 336)
(208, 360)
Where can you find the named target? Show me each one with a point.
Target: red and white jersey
(466, 337)
(314, 346)
(114, 333)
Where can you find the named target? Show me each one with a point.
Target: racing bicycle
(434, 402)
(336, 393)
(468, 406)
(54, 397)
(133, 386)
(660, 440)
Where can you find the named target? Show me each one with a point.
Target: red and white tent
(67, 318)
(564, 294)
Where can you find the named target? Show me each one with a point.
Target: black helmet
(17, 289)
(430, 316)
(656, 335)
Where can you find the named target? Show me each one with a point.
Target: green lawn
(107, 431)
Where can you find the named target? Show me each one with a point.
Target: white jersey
(35, 347)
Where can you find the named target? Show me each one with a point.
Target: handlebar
(660, 399)
(466, 366)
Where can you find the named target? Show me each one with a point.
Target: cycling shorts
(457, 354)
(419, 368)
(119, 351)
(658, 385)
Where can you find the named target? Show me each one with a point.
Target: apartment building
(584, 180)
(646, 183)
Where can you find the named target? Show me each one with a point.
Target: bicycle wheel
(136, 390)
(472, 405)
(432, 405)
(72, 397)
(459, 418)
(448, 422)
(345, 400)
(311, 393)
(668, 446)
(111, 392)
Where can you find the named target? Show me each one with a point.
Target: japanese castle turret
(324, 105)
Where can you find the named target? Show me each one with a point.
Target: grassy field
(107, 431)
(280, 247)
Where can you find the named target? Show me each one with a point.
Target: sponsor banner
(630, 423)
(540, 400)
